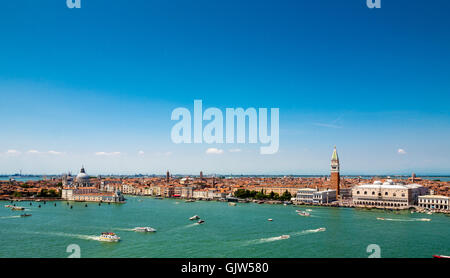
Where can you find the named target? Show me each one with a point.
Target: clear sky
(97, 85)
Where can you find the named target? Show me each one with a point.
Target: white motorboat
(144, 229)
(195, 217)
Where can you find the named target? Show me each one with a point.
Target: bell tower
(335, 177)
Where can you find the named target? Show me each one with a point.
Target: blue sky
(97, 85)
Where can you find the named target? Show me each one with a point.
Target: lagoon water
(240, 231)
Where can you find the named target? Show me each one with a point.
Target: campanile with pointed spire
(335, 176)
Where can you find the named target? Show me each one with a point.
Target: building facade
(434, 202)
(387, 195)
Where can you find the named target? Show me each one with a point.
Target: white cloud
(107, 154)
(214, 151)
(55, 152)
(140, 152)
(33, 151)
(235, 150)
(401, 151)
(12, 152)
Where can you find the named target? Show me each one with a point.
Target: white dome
(82, 176)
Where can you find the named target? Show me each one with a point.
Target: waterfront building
(335, 175)
(306, 195)
(324, 196)
(387, 194)
(82, 190)
(434, 202)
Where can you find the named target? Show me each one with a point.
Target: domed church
(82, 190)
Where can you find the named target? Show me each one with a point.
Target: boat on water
(189, 201)
(308, 209)
(270, 219)
(304, 213)
(381, 218)
(195, 217)
(429, 213)
(8, 206)
(17, 208)
(144, 229)
(231, 204)
(201, 221)
(285, 236)
(441, 257)
(424, 219)
(321, 230)
(25, 215)
(109, 237)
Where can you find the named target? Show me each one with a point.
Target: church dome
(82, 176)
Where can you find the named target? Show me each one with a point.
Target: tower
(335, 177)
(201, 175)
(167, 176)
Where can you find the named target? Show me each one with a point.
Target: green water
(231, 232)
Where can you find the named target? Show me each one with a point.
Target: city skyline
(97, 85)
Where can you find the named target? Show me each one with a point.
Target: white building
(434, 202)
(324, 197)
(306, 195)
(387, 194)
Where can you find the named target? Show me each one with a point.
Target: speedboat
(201, 221)
(321, 229)
(17, 208)
(285, 236)
(25, 215)
(270, 219)
(232, 204)
(195, 217)
(189, 201)
(8, 206)
(144, 229)
(308, 209)
(441, 257)
(424, 219)
(109, 237)
(381, 218)
(304, 213)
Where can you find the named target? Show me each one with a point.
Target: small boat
(201, 221)
(109, 237)
(189, 201)
(195, 217)
(8, 206)
(424, 219)
(144, 229)
(17, 208)
(441, 257)
(304, 213)
(381, 218)
(285, 236)
(25, 215)
(308, 209)
(231, 204)
(270, 219)
(429, 213)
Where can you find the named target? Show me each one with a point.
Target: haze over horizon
(96, 86)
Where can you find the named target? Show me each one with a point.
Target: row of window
(379, 194)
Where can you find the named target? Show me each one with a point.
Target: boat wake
(265, 240)
(10, 217)
(404, 220)
(276, 238)
(306, 232)
(78, 236)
